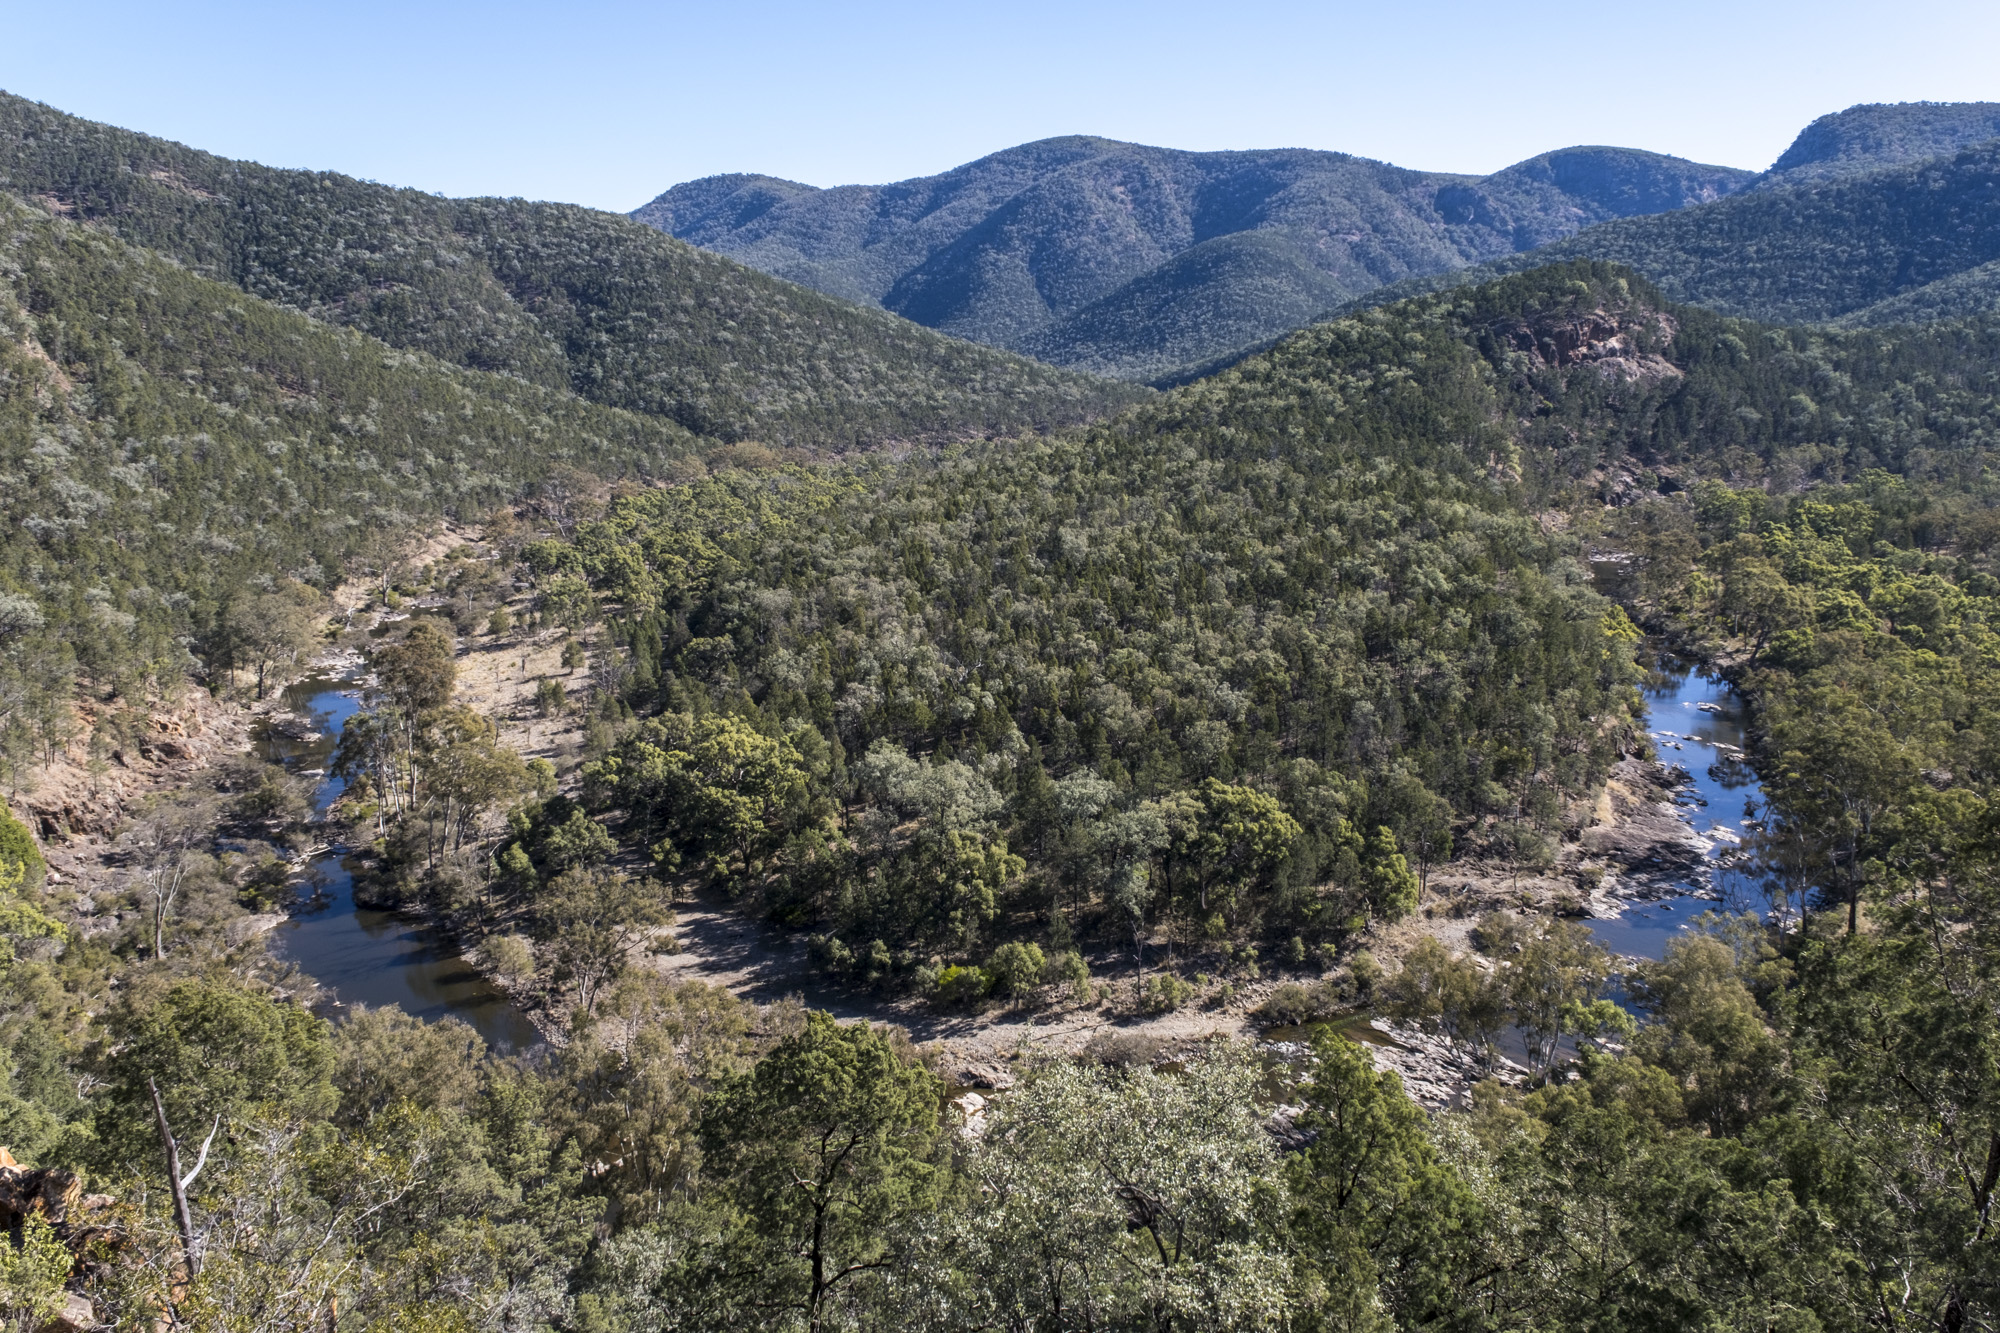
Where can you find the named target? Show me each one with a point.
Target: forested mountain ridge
(170, 447)
(1865, 137)
(1152, 264)
(1131, 260)
(1911, 242)
(1302, 597)
(975, 700)
(558, 295)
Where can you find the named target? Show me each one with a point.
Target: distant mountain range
(1129, 261)
(1833, 239)
(1141, 262)
(564, 297)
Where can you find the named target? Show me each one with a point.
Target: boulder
(983, 1075)
(48, 1191)
(76, 1315)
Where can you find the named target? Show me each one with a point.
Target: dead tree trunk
(190, 1254)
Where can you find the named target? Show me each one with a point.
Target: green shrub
(960, 986)
(1163, 993)
(1293, 1002)
(829, 953)
(19, 854)
(511, 957)
(1014, 969)
(1066, 968)
(1366, 972)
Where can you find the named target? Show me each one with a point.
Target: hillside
(1966, 294)
(1303, 596)
(1897, 243)
(169, 446)
(557, 295)
(1130, 260)
(1314, 576)
(1160, 719)
(1862, 138)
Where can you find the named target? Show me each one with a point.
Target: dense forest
(1892, 245)
(561, 296)
(1868, 136)
(1041, 722)
(1220, 662)
(1233, 665)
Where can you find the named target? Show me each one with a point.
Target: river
(365, 956)
(1696, 720)
(361, 955)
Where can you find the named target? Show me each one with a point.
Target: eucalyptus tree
(1111, 1197)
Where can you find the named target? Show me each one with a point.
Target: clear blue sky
(607, 103)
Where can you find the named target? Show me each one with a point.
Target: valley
(1639, 857)
(620, 790)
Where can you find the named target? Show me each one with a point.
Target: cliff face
(83, 1222)
(1628, 344)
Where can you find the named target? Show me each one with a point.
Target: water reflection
(365, 956)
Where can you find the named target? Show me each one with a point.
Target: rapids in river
(1697, 722)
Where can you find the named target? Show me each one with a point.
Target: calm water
(1697, 722)
(364, 956)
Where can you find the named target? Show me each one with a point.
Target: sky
(609, 102)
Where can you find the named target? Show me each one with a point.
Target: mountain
(1205, 692)
(169, 444)
(1905, 243)
(560, 296)
(1129, 260)
(1882, 135)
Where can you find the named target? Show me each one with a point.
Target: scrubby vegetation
(1238, 666)
(1791, 1140)
(181, 466)
(1231, 667)
(1221, 679)
(563, 297)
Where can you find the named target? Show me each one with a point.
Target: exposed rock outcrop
(1651, 847)
(82, 796)
(1621, 345)
(81, 1221)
